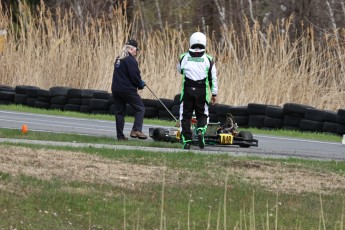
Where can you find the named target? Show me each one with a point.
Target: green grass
(194, 196)
(196, 199)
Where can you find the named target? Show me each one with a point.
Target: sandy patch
(75, 166)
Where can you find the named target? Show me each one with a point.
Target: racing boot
(186, 145)
(201, 140)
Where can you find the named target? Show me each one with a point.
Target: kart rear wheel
(246, 135)
(159, 134)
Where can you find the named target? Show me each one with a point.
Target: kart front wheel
(159, 134)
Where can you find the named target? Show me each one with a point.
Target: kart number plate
(226, 139)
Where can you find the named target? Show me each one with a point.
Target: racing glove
(142, 84)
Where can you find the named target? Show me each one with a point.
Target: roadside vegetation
(87, 188)
(257, 65)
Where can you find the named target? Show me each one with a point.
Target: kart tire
(246, 135)
(159, 134)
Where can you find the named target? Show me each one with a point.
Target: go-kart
(216, 134)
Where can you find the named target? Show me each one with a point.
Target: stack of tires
(257, 113)
(341, 121)
(274, 117)
(43, 99)
(58, 97)
(7, 94)
(293, 115)
(100, 102)
(290, 116)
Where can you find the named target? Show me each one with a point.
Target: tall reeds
(49, 49)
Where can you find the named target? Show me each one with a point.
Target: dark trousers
(194, 99)
(135, 101)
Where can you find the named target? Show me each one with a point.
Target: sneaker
(201, 139)
(122, 139)
(138, 134)
(186, 145)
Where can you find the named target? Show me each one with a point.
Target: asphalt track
(269, 146)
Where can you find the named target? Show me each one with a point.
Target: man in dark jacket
(126, 82)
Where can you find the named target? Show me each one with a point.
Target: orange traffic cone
(24, 129)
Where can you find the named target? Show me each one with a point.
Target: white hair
(124, 52)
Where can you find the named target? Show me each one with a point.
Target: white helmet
(197, 42)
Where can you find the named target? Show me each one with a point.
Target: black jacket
(126, 76)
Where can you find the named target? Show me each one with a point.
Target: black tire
(241, 120)
(222, 109)
(32, 92)
(58, 100)
(341, 112)
(163, 113)
(212, 108)
(256, 109)
(293, 108)
(43, 93)
(58, 91)
(74, 93)
(44, 99)
(239, 110)
(341, 119)
(20, 99)
(150, 102)
(309, 125)
(86, 101)
(293, 128)
(99, 111)
(104, 95)
(273, 122)
(99, 104)
(246, 135)
(167, 102)
(341, 129)
(85, 109)
(256, 121)
(6, 88)
(274, 111)
(87, 93)
(292, 120)
(330, 116)
(177, 99)
(175, 110)
(72, 107)
(7, 96)
(22, 89)
(42, 105)
(329, 127)
(159, 134)
(56, 107)
(314, 114)
(151, 112)
(4, 102)
(74, 100)
(31, 101)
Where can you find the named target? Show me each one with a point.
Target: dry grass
(49, 50)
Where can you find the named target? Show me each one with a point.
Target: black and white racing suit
(199, 82)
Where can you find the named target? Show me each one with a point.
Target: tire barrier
(290, 116)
